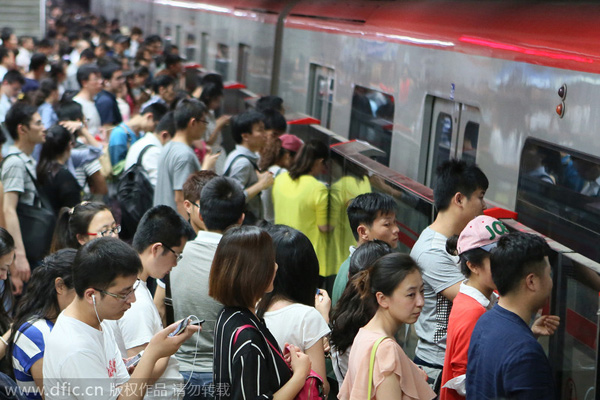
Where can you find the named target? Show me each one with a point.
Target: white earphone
(94, 299)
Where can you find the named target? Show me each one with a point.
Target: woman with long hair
(247, 358)
(300, 200)
(56, 181)
(50, 291)
(293, 312)
(78, 225)
(352, 313)
(394, 287)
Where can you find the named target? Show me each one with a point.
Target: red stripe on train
(581, 329)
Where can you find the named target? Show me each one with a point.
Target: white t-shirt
(297, 324)
(151, 156)
(135, 328)
(90, 112)
(81, 362)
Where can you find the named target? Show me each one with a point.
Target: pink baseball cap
(291, 142)
(483, 232)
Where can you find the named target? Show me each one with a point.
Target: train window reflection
(443, 138)
(242, 67)
(372, 119)
(190, 47)
(222, 60)
(469, 150)
(204, 49)
(559, 195)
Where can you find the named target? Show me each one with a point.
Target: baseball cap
(291, 142)
(482, 232)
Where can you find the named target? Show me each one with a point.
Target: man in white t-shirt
(159, 240)
(153, 142)
(82, 359)
(90, 80)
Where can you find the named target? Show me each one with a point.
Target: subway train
(510, 85)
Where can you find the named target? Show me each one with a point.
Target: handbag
(36, 223)
(313, 386)
(372, 365)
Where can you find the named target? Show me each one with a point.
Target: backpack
(313, 386)
(135, 195)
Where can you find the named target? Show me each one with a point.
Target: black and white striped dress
(247, 368)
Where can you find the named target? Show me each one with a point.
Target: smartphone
(181, 327)
(197, 322)
(133, 361)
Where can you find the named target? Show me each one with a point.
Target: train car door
(320, 93)
(454, 133)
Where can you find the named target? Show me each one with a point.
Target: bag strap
(139, 160)
(372, 365)
(226, 173)
(243, 327)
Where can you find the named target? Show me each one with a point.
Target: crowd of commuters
(234, 243)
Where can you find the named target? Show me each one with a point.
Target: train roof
(556, 34)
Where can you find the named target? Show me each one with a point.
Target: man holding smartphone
(159, 240)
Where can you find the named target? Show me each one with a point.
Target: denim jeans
(199, 386)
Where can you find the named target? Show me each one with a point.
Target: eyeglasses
(205, 122)
(122, 297)
(115, 230)
(196, 204)
(178, 256)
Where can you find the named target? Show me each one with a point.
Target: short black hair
(6, 33)
(3, 53)
(69, 111)
(162, 81)
(243, 123)
(13, 76)
(84, 72)
(365, 208)
(210, 91)
(269, 103)
(161, 224)
(222, 203)
(171, 59)
(88, 54)
(19, 113)
(454, 176)
(152, 39)
(166, 123)
(100, 261)
(37, 60)
(517, 255)
(109, 70)
(186, 110)
(158, 110)
(274, 120)
(366, 254)
(212, 78)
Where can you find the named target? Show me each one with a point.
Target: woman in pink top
(394, 285)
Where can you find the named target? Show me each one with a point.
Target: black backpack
(135, 195)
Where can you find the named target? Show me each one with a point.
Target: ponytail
(72, 222)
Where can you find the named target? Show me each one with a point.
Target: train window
(372, 119)
(222, 60)
(167, 36)
(558, 195)
(158, 26)
(178, 35)
(471, 137)
(190, 47)
(320, 93)
(204, 49)
(242, 67)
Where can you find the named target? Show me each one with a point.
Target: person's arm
(159, 301)
(37, 374)
(178, 195)
(317, 361)
(265, 180)
(159, 367)
(160, 346)
(451, 292)
(97, 184)
(221, 122)
(389, 388)
(321, 203)
(20, 270)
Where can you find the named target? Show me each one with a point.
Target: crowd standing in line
(89, 276)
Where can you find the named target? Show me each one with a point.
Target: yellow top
(342, 192)
(302, 204)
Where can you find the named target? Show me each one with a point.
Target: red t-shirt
(463, 317)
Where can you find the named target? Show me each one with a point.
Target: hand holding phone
(184, 324)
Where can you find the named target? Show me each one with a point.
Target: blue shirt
(121, 138)
(506, 361)
(108, 108)
(29, 346)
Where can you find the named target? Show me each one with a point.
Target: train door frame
(460, 115)
(204, 43)
(316, 72)
(243, 60)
